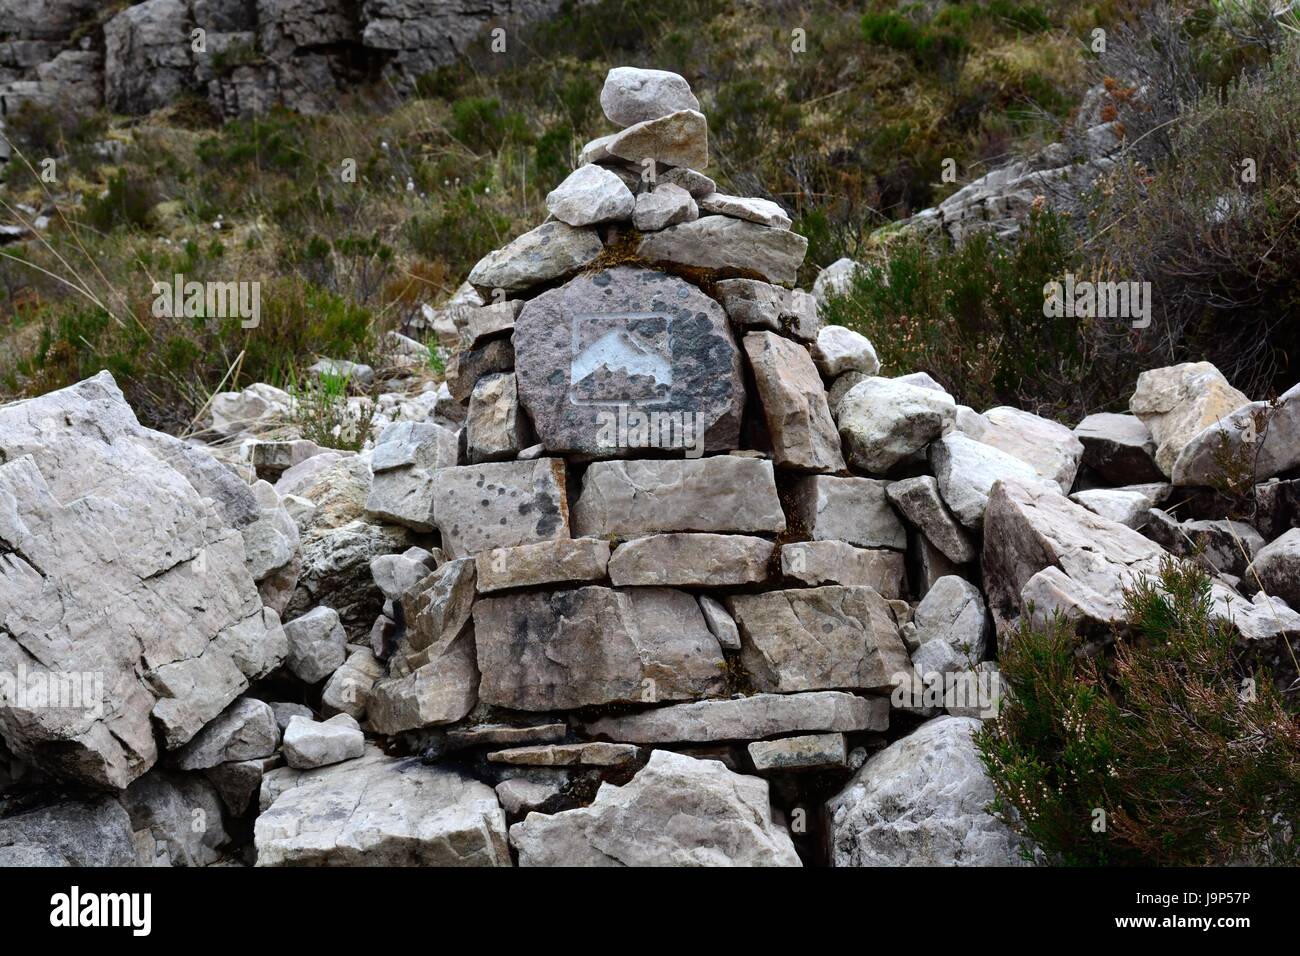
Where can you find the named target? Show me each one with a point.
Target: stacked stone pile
(664, 575)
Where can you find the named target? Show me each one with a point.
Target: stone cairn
(664, 573)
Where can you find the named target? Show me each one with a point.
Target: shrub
(972, 316)
(126, 203)
(1193, 758)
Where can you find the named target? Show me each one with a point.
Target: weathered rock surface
(500, 505)
(1127, 506)
(623, 342)
(551, 251)
(317, 645)
(921, 504)
(729, 246)
(1257, 436)
(667, 205)
(590, 195)
(119, 583)
(691, 560)
(91, 832)
(883, 421)
(309, 744)
(588, 754)
(840, 350)
(594, 645)
(720, 623)
(855, 510)
(680, 138)
(439, 605)
(379, 811)
(632, 95)
(837, 562)
(176, 820)
(677, 811)
(244, 730)
(496, 427)
(794, 404)
(951, 627)
(747, 718)
(809, 752)
(1224, 545)
(1277, 568)
(336, 571)
(1051, 449)
(762, 211)
(563, 561)
(722, 494)
(1119, 448)
(407, 456)
(1179, 402)
(441, 689)
(966, 471)
(922, 802)
(819, 639)
(348, 689)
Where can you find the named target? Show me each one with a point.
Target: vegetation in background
(1192, 756)
(321, 412)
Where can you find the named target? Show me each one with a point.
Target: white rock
(632, 95)
(309, 744)
(951, 626)
(590, 195)
(883, 421)
(966, 471)
(729, 246)
(922, 801)
(839, 350)
(317, 645)
(666, 206)
(1179, 402)
(762, 211)
(1052, 450)
(677, 811)
(680, 138)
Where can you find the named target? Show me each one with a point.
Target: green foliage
(321, 412)
(466, 228)
(928, 46)
(1194, 759)
(272, 142)
(973, 316)
(126, 203)
(481, 124)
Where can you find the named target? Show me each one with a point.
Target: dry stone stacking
(649, 579)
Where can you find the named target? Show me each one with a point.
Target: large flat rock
(564, 649)
(691, 560)
(379, 811)
(122, 589)
(794, 404)
(629, 358)
(747, 718)
(722, 493)
(729, 247)
(551, 251)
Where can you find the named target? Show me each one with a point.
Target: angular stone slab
(921, 504)
(496, 428)
(966, 471)
(794, 404)
(677, 139)
(500, 505)
(819, 639)
(597, 754)
(762, 211)
(808, 752)
(563, 561)
(500, 735)
(551, 251)
(1051, 449)
(594, 645)
(721, 494)
(440, 691)
(837, 562)
(855, 510)
(691, 560)
(405, 459)
(883, 421)
(379, 811)
(747, 718)
(590, 195)
(731, 247)
(622, 342)
(1178, 402)
(1119, 448)
(666, 206)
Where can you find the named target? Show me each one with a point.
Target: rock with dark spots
(405, 460)
(94, 832)
(807, 752)
(606, 349)
(500, 505)
(565, 649)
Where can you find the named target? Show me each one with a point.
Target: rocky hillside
(661, 569)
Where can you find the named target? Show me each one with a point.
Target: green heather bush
(1193, 756)
(973, 317)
